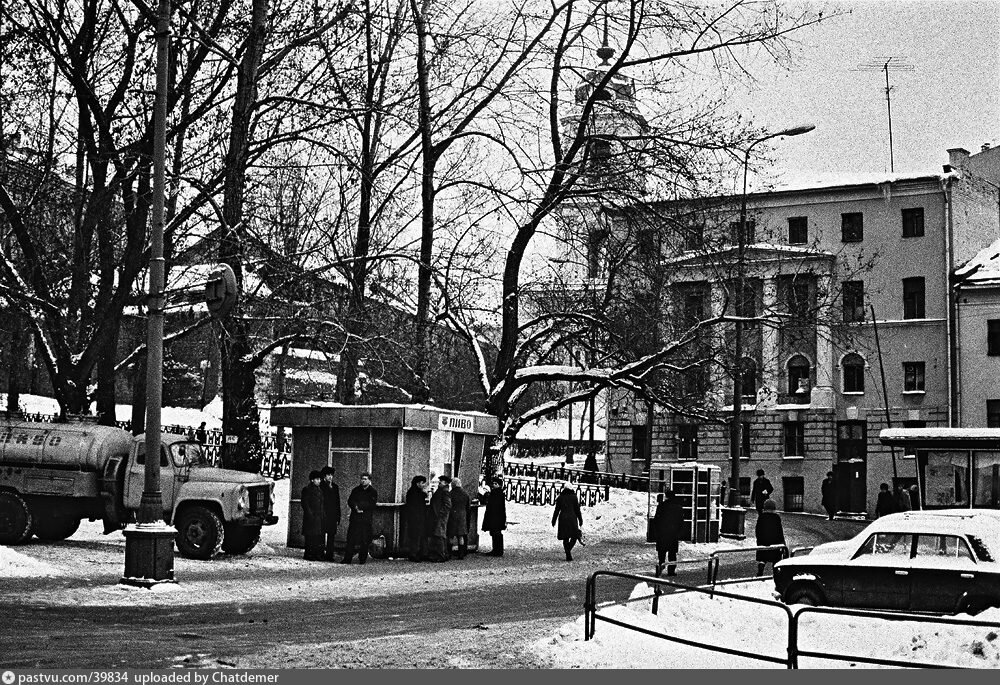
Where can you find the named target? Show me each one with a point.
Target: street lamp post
(735, 424)
(149, 545)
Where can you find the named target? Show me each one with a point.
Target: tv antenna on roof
(885, 64)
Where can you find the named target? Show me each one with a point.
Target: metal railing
(577, 475)
(792, 649)
(538, 492)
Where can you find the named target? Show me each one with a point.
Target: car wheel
(804, 594)
(975, 605)
(200, 533)
(15, 519)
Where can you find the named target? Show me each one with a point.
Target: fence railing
(527, 448)
(535, 491)
(792, 649)
(574, 475)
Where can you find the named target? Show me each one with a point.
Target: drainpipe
(949, 300)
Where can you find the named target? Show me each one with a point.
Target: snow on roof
(984, 267)
(846, 179)
(959, 438)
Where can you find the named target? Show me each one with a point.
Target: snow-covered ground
(85, 569)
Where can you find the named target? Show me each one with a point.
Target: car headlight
(243, 501)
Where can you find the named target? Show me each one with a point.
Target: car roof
(982, 523)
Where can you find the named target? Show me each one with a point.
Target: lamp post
(736, 421)
(149, 544)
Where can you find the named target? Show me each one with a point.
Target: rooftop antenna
(884, 64)
(605, 52)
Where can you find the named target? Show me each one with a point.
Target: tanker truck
(54, 475)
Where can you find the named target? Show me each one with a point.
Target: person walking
(495, 516)
(201, 435)
(331, 509)
(667, 523)
(415, 519)
(440, 512)
(361, 502)
(915, 497)
(829, 495)
(761, 490)
(312, 517)
(567, 515)
(902, 496)
(458, 518)
(768, 531)
(886, 503)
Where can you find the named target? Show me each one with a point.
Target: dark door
(852, 466)
(943, 572)
(878, 577)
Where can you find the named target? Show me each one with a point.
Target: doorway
(852, 466)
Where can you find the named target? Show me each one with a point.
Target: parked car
(941, 561)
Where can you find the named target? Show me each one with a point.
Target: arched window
(798, 375)
(748, 377)
(854, 373)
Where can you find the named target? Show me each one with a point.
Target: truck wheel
(200, 533)
(240, 539)
(55, 527)
(15, 519)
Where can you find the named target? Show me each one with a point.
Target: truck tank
(82, 447)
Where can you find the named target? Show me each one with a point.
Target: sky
(949, 99)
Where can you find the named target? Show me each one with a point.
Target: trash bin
(733, 522)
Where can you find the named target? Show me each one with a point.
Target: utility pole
(149, 544)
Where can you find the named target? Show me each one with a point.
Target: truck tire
(55, 527)
(240, 539)
(15, 519)
(200, 533)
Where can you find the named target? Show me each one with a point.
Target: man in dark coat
(415, 519)
(331, 509)
(361, 502)
(829, 492)
(201, 435)
(458, 518)
(761, 491)
(567, 515)
(902, 496)
(886, 503)
(495, 516)
(667, 524)
(440, 512)
(312, 518)
(769, 532)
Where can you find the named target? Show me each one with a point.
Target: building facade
(858, 328)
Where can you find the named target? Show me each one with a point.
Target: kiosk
(696, 486)
(393, 442)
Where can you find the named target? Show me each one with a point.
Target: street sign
(450, 422)
(221, 291)
(232, 439)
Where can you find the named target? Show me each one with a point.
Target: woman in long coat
(312, 517)
(495, 516)
(667, 524)
(769, 532)
(458, 517)
(438, 521)
(567, 515)
(415, 519)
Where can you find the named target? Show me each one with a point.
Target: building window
(913, 297)
(794, 491)
(913, 222)
(993, 413)
(687, 442)
(694, 236)
(745, 440)
(908, 450)
(798, 230)
(854, 301)
(640, 446)
(692, 305)
(798, 374)
(795, 439)
(913, 376)
(854, 373)
(748, 378)
(749, 233)
(852, 227)
(795, 297)
(993, 337)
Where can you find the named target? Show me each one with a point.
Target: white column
(718, 381)
(770, 364)
(822, 395)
